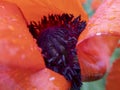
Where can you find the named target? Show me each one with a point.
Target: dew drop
(13, 51)
(2, 7)
(23, 56)
(98, 34)
(19, 36)
(14, 19)
(52, 78)
(11, 27)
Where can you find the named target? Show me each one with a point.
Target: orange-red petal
(113, 78)
(17, 46)
(36, 9)
(95, 4)
(98, 41)
(83, 1)
(20, 79)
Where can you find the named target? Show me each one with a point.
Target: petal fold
(17, 46)
(98, 41)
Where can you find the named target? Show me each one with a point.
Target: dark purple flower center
(57, 36)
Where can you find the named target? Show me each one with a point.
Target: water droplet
(23, 56)
(2, 7)
(11, 27)
(13, 51)
(19, 36)
(98, 33)
(52, 78)
(13, 19)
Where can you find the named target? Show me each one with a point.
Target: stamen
(57, 36)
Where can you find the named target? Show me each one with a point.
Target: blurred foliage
(87, 7)
(99, 84)
(91, 5)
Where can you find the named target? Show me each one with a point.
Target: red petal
(17, 46)
(98, 41)
(20, 79)
(35, 9)
(113, 79)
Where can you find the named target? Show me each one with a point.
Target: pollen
(57, 36)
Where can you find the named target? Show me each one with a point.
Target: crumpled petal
(113, 78)
(17, 46)
(98, 41)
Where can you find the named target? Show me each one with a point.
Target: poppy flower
(64, 22)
